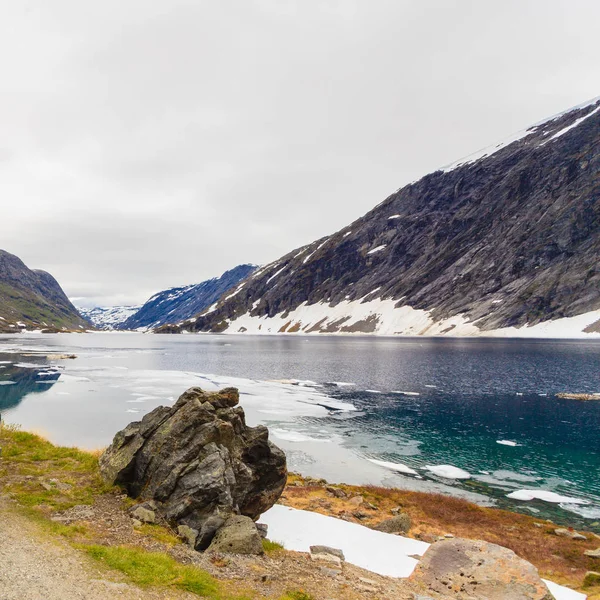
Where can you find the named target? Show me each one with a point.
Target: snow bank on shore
(378, 552)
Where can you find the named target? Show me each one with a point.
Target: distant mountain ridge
(180, 303)
(503, 242)
(33, 299)
(108, 317)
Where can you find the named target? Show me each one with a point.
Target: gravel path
(34, 568)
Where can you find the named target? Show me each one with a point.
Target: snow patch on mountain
(108, 317)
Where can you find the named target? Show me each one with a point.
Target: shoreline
(59, 485)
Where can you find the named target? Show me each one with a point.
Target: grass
(296, 595)
(271, 547)
(155, 569)
(38, 474)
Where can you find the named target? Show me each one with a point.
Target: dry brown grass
(557, 558)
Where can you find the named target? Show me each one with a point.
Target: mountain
(33, 299)
(110, 317)
(180, 303)
(504, 242)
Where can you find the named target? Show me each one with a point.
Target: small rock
(337, 492)
(328, 550)
(360, 515)
(368, 581)
(539, 525)
(356, 501)
(188, 534)
(237, 536)
(330, 558)
(591, 578)
(136, 523)
(46, 486)
(144, 515)
(562, 532)
(396, 510)
(399, 524)
(262, 529)
(593, 553)
(329, 572)
(371, 506)
(448, 536)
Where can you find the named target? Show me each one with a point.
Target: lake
(476, 418)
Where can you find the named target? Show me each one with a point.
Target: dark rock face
(478, 570)
(199, 462)
(34, 298)
(507, 239)
(177, 304)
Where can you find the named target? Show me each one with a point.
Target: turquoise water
(418, 402)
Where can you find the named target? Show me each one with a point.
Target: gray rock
(336, 492)
(262, 529)
(480, 570)
(328, 572)
(198, 462)
(327, 550)
(144, 515)
(593, 553)
(329, 558)
(188, 534)
(399, 524)
(563, 532)
(237, 536)
(356, 501)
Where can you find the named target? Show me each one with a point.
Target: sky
(152, 143)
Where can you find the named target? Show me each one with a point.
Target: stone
(591, 578)
(368, 581)
(144, 515)
(262, 529)
(478, 570)
(327, 550)
(399, 524)
(238, 535)
(198, 462)
(336, 492)
(329, 572)
(356, 501)
(136, 523)
(188, 534)
(330, 558)
(593, 553)
(563, 532)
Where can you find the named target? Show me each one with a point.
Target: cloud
(155, 143)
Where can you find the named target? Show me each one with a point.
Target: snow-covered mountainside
(109, 317)
(177, 304)
(32, 299)
(504, 242)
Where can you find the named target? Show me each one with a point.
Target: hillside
(33, 299)
(505, 241)
(180, 303)
(108, 318)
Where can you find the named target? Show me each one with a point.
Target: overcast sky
(147, 144)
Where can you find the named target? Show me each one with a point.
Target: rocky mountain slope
(180, 303)
(504, 242)
(33, 299)
(108, 318)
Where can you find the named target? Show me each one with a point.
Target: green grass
(296, 595)
(271, 547)
(155, 569)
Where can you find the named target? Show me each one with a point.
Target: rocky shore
(197, 486)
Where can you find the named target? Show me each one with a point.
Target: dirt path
(33, 567)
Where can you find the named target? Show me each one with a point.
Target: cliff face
(176, 304)
(508, 237)
(33, 299)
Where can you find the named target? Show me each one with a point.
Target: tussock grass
(271, 547)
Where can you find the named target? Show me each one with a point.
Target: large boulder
(199, 462)
(477, 570)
